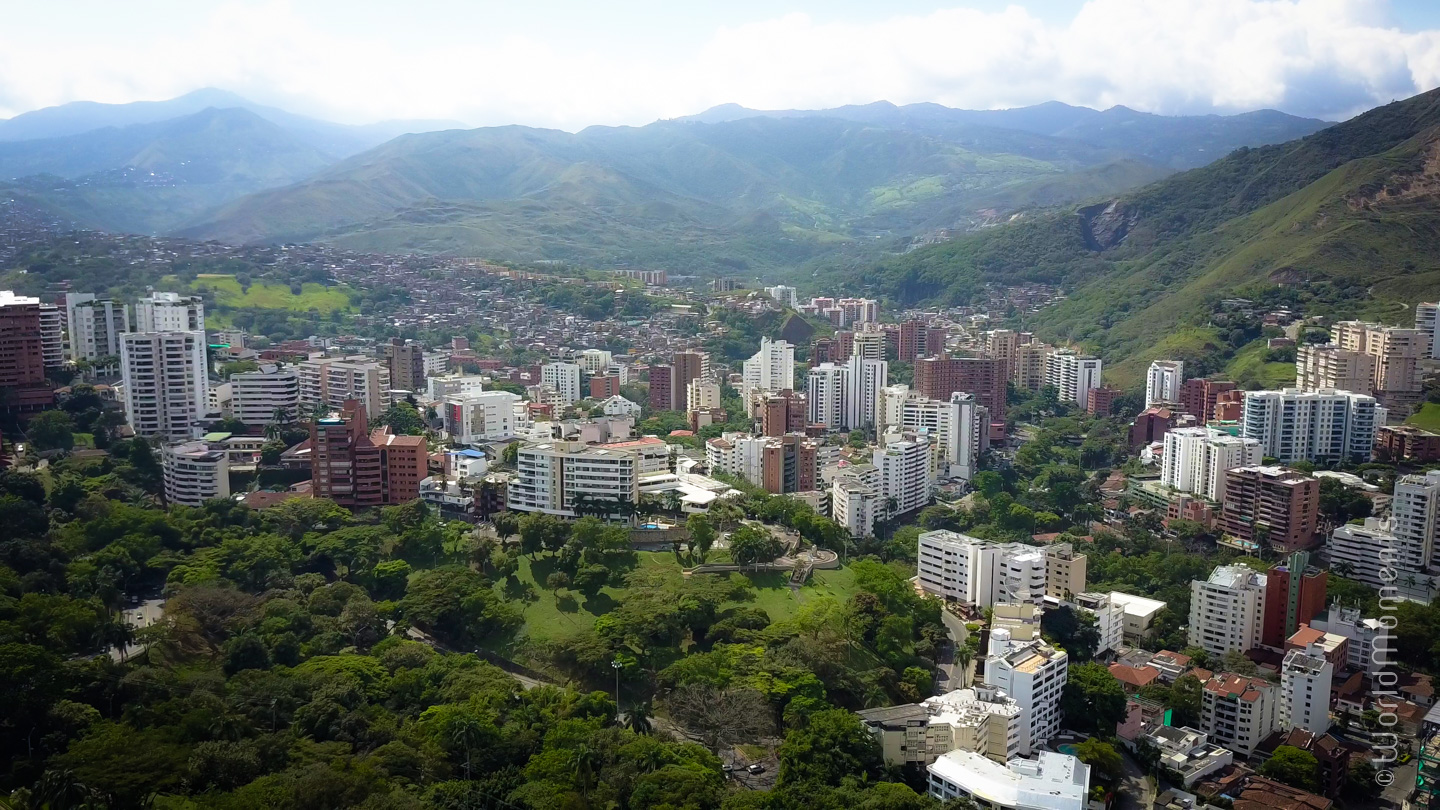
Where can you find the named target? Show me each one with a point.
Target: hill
(1344, 220)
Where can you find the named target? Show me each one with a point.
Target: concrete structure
(1109, 619)
(1049, 782)
(982, 719)
(782, 412)
(1426, 321)
(1163, 382)
(1033, 673)
(855, 500)
(1319, 366)
(95, 326)
(685, 368)
(357, 467)
(594, 361)
(1406, 443)
(983, 377)
(480, 417)
(265, 397)
(1197, 458)
(770, 369)
(1294, 594)
(445, 385)
(1414, 513)
(1396, 351)
(565, 379)
(1227, 610)
(194, 473)
(1073, 375)
(1188, 752)
(906, 480)
(954, 427)
(701, 393)
(1198, 396)
(327, 383)
(1267, 505)
(170, 312)
(166, 385)
(52, 335)
(825, 396)
(1064, 571)
(1362, 553)
(603, 386)
(406, 361)
(1360, 632)
(864, 377)
(570, 478)
(967, 569)
(1305, 679)
(1140, 614)
(1237, 712)
(1324, 425)
(620, 406)
(22, 355)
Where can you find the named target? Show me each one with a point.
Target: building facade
(166, 384)
(194, 473)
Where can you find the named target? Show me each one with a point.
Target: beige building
(1064, 571)
(1396, 352)
(1330, 366)
(1028, 370)
(329, 382)
(982, 719)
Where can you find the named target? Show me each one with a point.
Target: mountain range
(729, 190)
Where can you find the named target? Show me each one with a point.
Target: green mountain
(1342, 221)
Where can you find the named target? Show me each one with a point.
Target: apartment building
(166, 384)
(772, 368)
(439, 387)
(685, 368)
(782, 412)
(1073, 375)
(405, 360)
(661, 397)
(966, 569)
(1051, 781)
(595, 361)
(983, 377)
(1027, 370)
(95, 326)
(1227, 610)
(480, 416)
(916, 339)
(1414, 513)
(1397, 351)
(170, 312)
(569, 479)
(906, 479)
(1426, 321)
(1238, 712)
(1268, 505)
(265, 397)
(22, 355)
(845, 397)
(564, 378)
(327, 383)
(1198, 397)
(1197, 458)
(868, 344)
(1109, 619)
(1032, 673)
(52, 335)
(1360, 632)
(701, 394)
(956, 431)
(1319, 366)
(357, 467)
(603, 386)
(1318, 426)
(194, 473)
(1163, 382)
(1305, 679)
(855, 500)
(1294, 594)
(1065, 570)
(982, 719)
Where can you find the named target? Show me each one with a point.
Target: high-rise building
(327, 383)
(22, 355)
(954, 427)
(1270, 506)
(480, 416)
(906, 479)
(858, 310)
(1101, 401)
(1227, 611)
(1358, 630)
(914, 340)
(1238, 712)
(357, 468)
(595, 361)
(686, 367)
(868, 344)
(1325, 425)
(603, 386)
(1396, 352)
(984, 377)
(1109, 619)
(1164, 381)
(565, 379)
(170, 312)
(1027, 371)
(569, 479)
(265, 397)
(1196, 460)
(52, 334)
(195, 472)
(1427, 322)
(166, 383)
(825, 395)
(1305, 678)
(661, 395)
(95, 326)
(1294, 594)
(782, 413)
(770, 369)
(966, 569)
(863, 380)
(1198, 396)
(1064, 570)
(1072, 375)
(703, 393)
(406, 361)
(1032, 673)
(1319, 366)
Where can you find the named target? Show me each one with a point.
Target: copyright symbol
(1385, 778)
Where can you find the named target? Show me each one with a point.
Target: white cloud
(1328, 58)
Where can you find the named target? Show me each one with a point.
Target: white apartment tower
(1163, 381)
(906, 482)
(1227, 610)
(1305, 678)
(967, 569)
(95, 326)
(952, 427)
(1428, 322)
(1072, 375)
(329, 381)
(194, 473)
(480, 416)
(52, 335)
(864, 380)
(166, 385)
(868, 344)
(1238, 712)
(770, 369)
(1196, 459)
(564, 378)
(825, 395)
(265, 397)
(1324, 425)
(170, 312)
(1033, 674)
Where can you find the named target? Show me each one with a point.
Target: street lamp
(616, 665)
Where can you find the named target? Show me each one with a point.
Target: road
(1135, 791)
(957, 631)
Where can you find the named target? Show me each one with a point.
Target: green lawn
(1427, 418)
(262, 295)
(547, 618)
(1249, 368)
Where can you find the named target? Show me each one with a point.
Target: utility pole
(616, 665)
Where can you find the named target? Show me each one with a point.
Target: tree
(702, 535)
(752, 545)
(403, 419)
(1102, 756)
(1074, 630)
(1093, 699)
(557, 581)
(507, 525)
(1185, 699)
(722, 717)
(271, 451)
(831, 746)
(1295, 767)
(51, 430)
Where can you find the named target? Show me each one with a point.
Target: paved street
(1135, 791)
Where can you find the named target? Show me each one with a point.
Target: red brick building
(22, 357)
(1198, 396)
(604, 386)
(1294, 594)
(662, 395)
(1101, 400)
(1407, 442)
(914, 341)
(1273, 504)
(356, 468)
(939, 377)
(783, 413)
(686, 366)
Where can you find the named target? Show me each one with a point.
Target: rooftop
(1051, 781)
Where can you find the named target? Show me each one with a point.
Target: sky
(577, 63)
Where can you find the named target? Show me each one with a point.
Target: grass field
(261, 295)
(1249, 368)
(1427, 418)
(546, 618)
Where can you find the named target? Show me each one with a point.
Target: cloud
(1326, 58)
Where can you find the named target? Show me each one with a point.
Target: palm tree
(119, 635)
(466, 734)
(638, 719)
(584, 759)
(963, 657)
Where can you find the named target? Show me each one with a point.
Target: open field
(1427, 418)
(262, 295)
